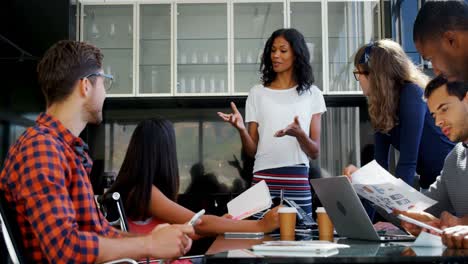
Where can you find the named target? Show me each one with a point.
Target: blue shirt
(422, 145)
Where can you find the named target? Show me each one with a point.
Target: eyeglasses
(107, 79)
(356, 74)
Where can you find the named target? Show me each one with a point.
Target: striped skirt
(293, 180)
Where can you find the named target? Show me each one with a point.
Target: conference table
(239, 251)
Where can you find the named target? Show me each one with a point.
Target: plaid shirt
(45, 178)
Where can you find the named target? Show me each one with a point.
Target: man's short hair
(63, 65)
(458, 89)
(436, 17)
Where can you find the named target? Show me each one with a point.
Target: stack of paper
(298, 248)
(256, 199)
(425, 245)
(377, 185)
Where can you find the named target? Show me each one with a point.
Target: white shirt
(274, 110)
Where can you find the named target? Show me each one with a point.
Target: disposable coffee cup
(325, 225)
(287, 217)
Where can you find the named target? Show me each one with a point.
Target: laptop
(346, 211)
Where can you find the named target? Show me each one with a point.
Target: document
(256, 199)
(377, 185)
(428, 240)
(425, 245)
(298, 248)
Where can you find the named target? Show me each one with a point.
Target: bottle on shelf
(154, 80)
(182, 85)
(212, 84)
(193, 84)
(202, 84)
(194, 57)
(205, 57)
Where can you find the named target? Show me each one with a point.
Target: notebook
(256, 199)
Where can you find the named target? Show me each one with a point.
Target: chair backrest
(11, 232)
(112, 207)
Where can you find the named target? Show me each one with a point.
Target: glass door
(253, 25)
(110, 27)
(306, 17)
(202, 49)
(351, 24)
(155, 50)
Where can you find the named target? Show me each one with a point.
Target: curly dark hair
(302, 71)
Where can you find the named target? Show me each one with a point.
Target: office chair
(112, 208)
(12, 236)
(11, 232)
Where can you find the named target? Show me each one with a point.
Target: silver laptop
(346, 211)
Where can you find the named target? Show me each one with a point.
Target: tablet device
(419, 223)
(244, 235)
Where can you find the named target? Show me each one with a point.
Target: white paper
(310, 243)
(298, 248)
(306, 254)
(426, 244)
(428, 240)
(241, 253)
(317, 248)
(256, 199)
(377, 185)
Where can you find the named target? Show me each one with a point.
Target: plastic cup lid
(320, 210)
(285, 209)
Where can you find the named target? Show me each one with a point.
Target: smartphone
(419, 223)
(195, 218)
(244, 235)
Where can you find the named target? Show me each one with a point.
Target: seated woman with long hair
(148, 183)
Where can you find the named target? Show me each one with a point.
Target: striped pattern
(293, 180)
(450, 188)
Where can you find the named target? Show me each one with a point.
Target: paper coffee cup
(325, 225)
(287, 217)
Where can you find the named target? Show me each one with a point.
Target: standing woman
(398, 114)
(283, 118)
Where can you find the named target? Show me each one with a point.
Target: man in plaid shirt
(45, 177)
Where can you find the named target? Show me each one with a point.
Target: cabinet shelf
(346, 37)
(107, 48)
(158, 65)
(155, 39)
(169, 45)
(200, 39)
(201, 64)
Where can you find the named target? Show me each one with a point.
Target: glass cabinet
(253, 25)
(351, 24)
(307, 18)
(202, 49)
(110, 27)
(154, 52)
(214, 47)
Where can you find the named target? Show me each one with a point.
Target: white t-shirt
(274, 110)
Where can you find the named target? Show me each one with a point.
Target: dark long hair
(302, 70)
(151, 159)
